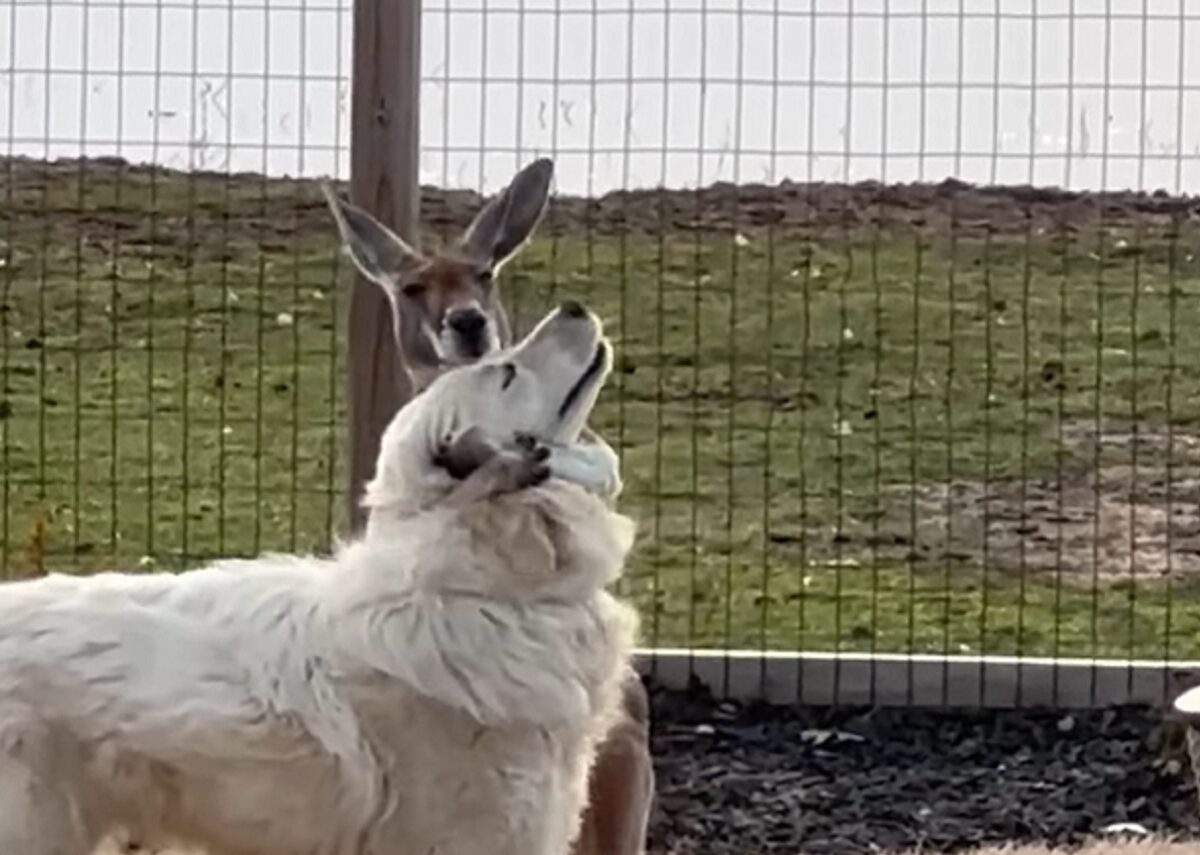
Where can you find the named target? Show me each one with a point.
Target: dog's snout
(467, 322)
(572, 309)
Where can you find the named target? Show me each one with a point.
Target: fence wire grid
(904, 296)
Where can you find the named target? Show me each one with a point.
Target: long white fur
(436, 687)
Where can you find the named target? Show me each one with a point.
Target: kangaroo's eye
(413, 290)
(485, 278)
(510, 374)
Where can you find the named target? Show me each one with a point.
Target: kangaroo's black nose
(572, 309)
(467, 322)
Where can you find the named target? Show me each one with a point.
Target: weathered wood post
(384, 152)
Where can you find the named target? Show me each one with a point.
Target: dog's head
(446, 308)
(545, 386)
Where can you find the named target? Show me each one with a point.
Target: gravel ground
(762, 780)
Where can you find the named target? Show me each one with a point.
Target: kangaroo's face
(446, 309)
(455, 304)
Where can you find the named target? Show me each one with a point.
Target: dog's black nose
(572, 309)
(466, 322)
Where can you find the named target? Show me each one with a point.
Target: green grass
(172, 392)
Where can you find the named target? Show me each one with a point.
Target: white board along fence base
(919, 680)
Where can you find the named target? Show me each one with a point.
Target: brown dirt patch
(1114, 522)
(1111, 526)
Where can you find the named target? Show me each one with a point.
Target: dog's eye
(510, 374)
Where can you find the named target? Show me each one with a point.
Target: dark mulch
(758, 779)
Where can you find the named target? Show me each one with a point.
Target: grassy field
(792, 396)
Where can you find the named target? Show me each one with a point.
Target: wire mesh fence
(880, 386)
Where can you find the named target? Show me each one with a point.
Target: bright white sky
(821, 94)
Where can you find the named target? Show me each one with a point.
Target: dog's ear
(506, 222)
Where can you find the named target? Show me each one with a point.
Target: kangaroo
(447, 311)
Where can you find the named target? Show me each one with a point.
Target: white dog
(437, 687)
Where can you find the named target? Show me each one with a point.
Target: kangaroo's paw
(486, 469)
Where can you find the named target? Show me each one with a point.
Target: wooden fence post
(384, 153)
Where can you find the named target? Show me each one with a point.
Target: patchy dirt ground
(1110, 526)
(278, 211)
(1111, 521)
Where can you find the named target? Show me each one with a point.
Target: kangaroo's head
(446, 309)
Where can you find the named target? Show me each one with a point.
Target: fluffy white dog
(437, 687)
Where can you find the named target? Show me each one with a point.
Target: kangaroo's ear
(380, 254)
(506, 222)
